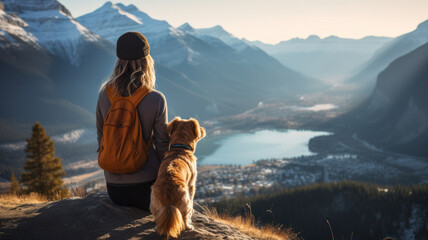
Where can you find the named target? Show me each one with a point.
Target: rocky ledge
(96, 217)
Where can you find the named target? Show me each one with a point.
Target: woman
(134, 69)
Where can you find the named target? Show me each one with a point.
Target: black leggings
(132, 195)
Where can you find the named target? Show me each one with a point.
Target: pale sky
(272, 21)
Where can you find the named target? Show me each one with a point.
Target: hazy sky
(272, 21)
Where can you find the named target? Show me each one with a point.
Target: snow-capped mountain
(330, 57)
(53, 27)
(51, 68)
(207, 61)
(62, 79)
(13, 32)
(367, 74)
(214, 34)
(112, 20)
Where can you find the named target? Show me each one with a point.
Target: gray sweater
(153, 115)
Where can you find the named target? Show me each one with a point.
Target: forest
(354, 210)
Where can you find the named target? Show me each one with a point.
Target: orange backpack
(122, 148)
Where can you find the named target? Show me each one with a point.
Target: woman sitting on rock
(131, 165)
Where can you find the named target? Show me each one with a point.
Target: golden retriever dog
(174, 189)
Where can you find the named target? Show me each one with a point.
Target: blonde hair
(128, 75)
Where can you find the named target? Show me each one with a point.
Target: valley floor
(336, 158)
(338, 161)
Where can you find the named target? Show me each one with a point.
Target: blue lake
(245, 148)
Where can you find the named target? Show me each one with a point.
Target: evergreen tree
(14, 185)
(43, 170)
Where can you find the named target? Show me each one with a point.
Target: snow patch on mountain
(168, 45)
(78, 136)
(216, 32)
(12, 31)
(20, 6)
(81, 136)
(112, 20)
(53, 27)
(416, 223)
(128, 15)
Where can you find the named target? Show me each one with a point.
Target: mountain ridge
(365, 77)
(45, 18)
(396, 115)
(329, 57)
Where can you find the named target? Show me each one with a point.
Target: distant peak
(332, 37)
(313, 37)
(131, 7)
(423, 25)
(370, 37)
(186, 24)
(20, 6)
(218, 27)
(186, 27)
(108, 4)
(121, 5)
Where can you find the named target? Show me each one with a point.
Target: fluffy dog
(174, 189)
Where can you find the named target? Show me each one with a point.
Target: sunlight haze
(277, 20)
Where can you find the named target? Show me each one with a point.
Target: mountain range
(366, 76)
(53, 65)
(229, 80)
(331, 58)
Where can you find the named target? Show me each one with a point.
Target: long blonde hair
(128, 75)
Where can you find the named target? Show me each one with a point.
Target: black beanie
(132, 46)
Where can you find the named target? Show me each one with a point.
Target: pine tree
(43, 170)
(14, 185)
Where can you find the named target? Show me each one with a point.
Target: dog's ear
(203, 134)
(172, 125)
(199, 131)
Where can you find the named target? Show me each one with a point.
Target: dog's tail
(169, 222)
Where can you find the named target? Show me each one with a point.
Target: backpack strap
(138, 95)
(135, 98)
(112, 94)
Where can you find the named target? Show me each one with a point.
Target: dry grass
(248, 226)
(13, 200)
(78, 192)
(10, 200)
